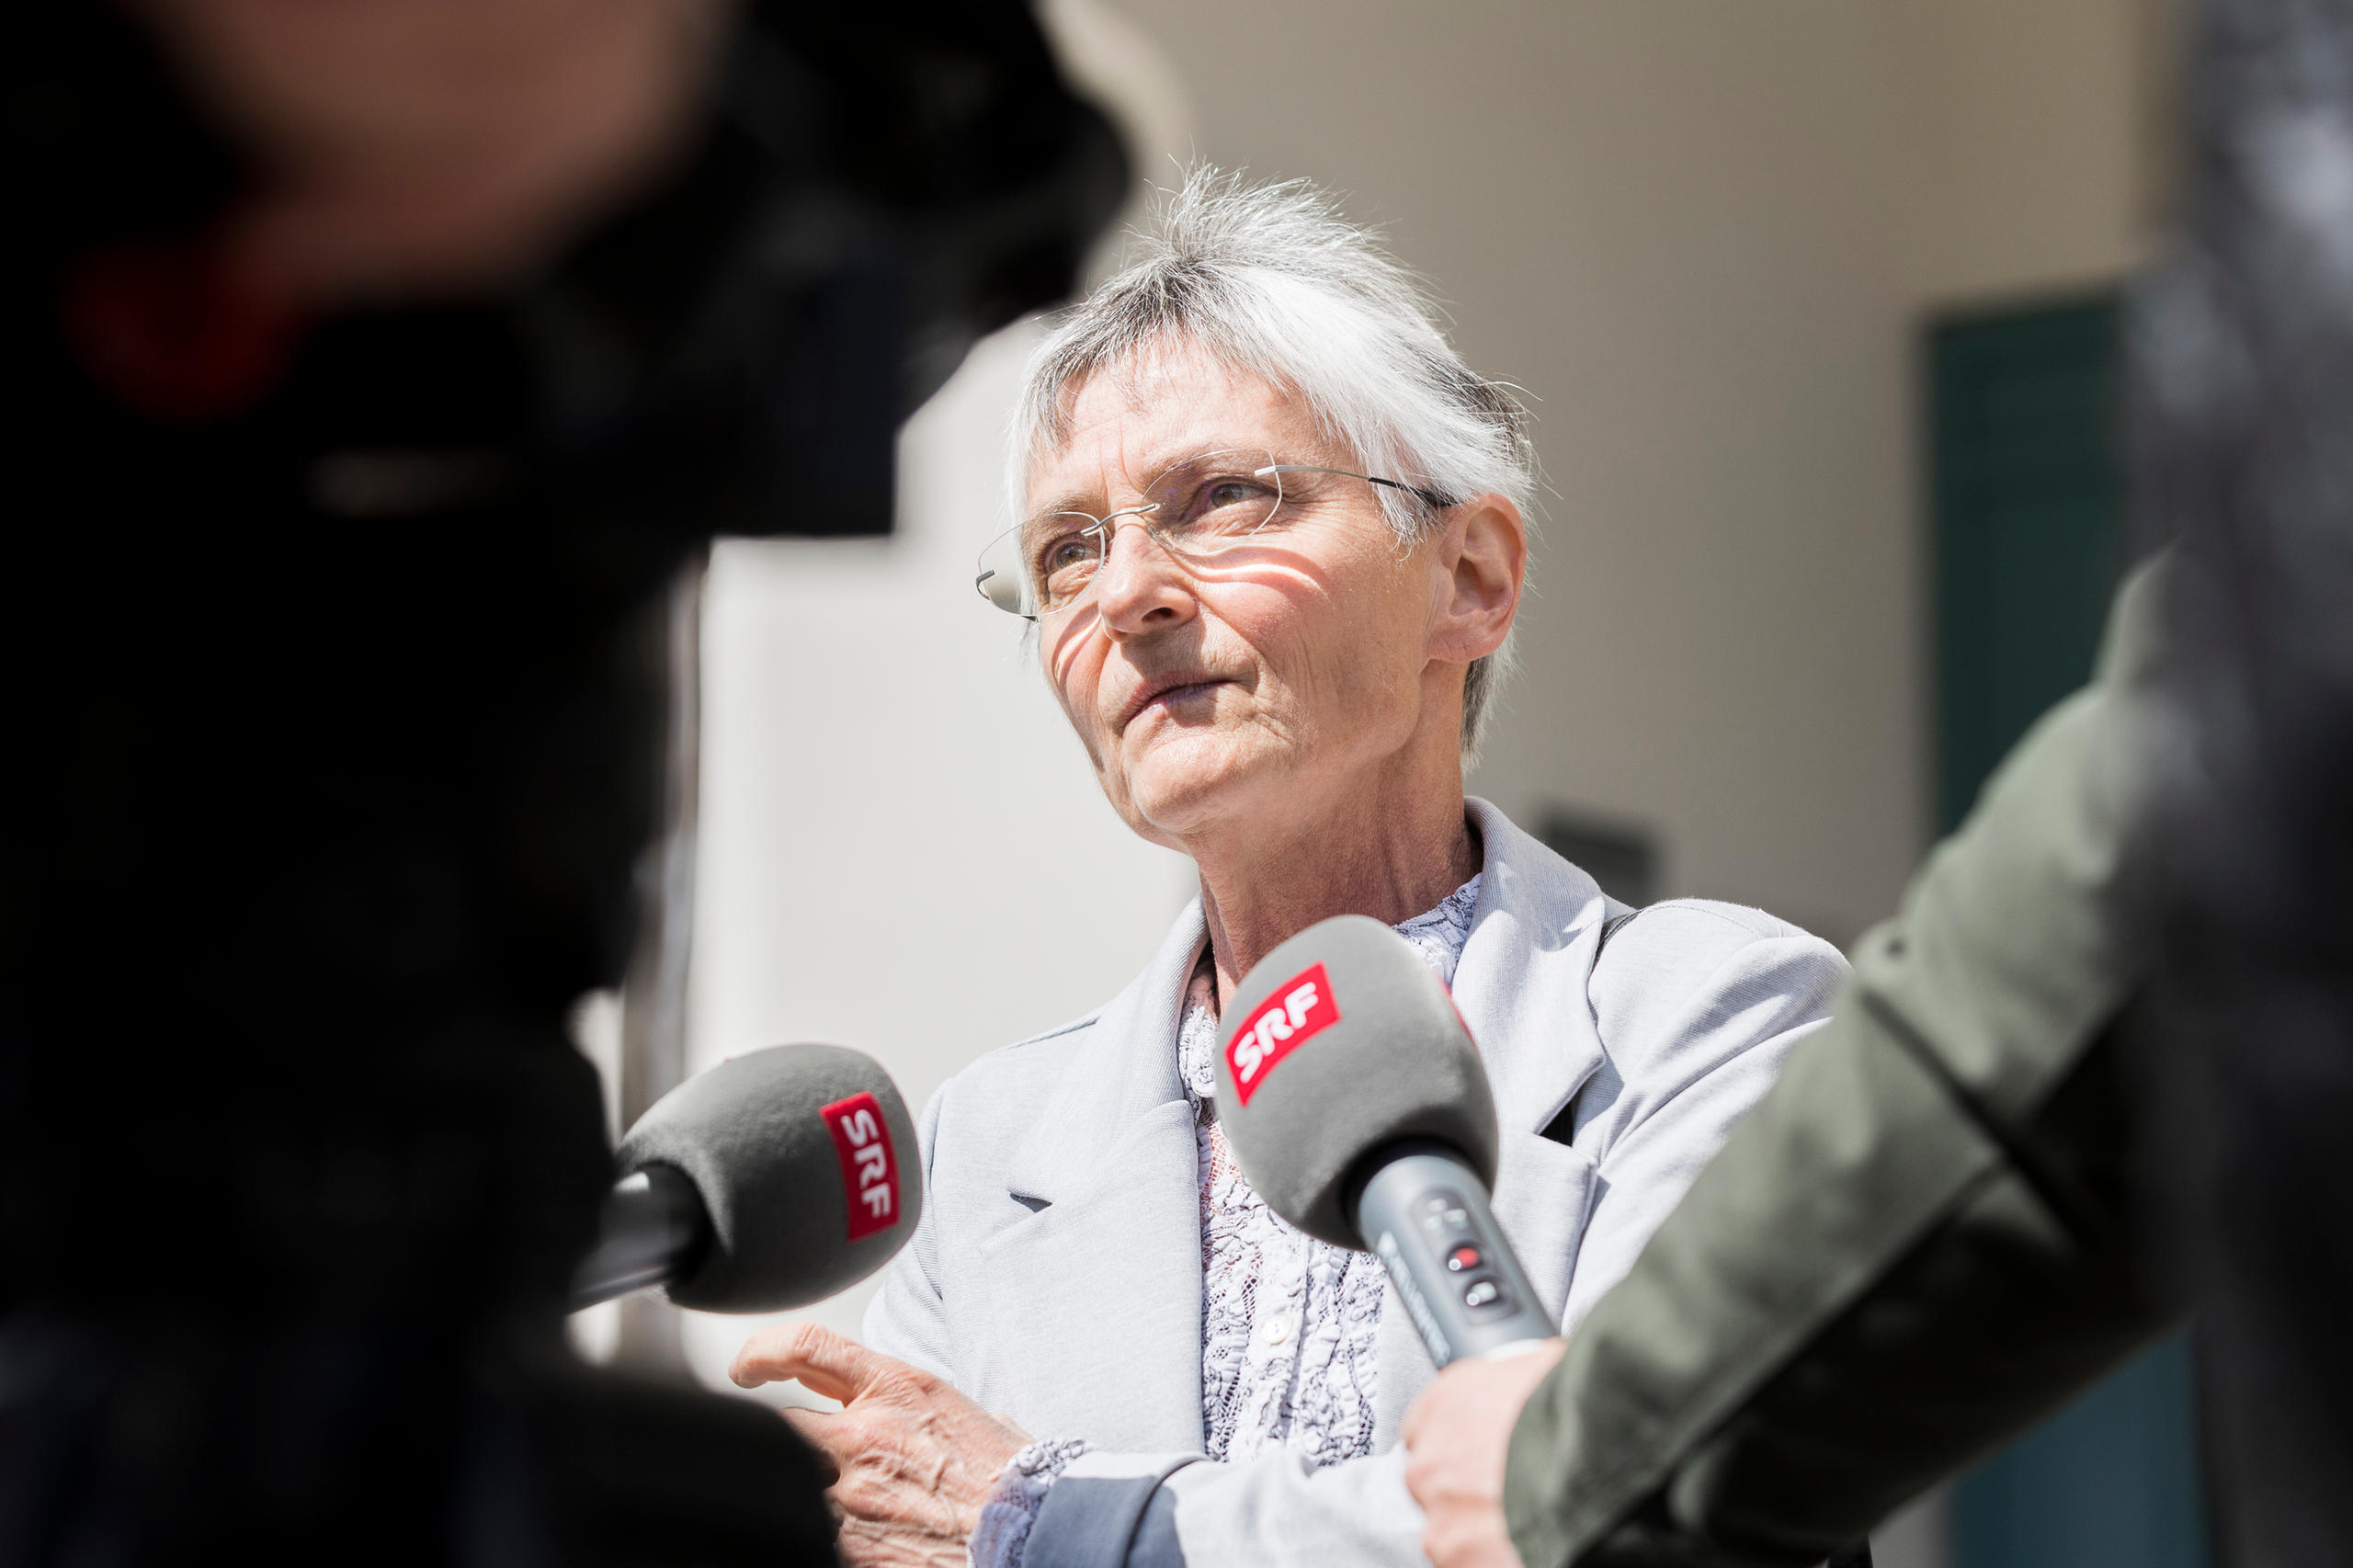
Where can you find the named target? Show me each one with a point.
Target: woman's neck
(1390, 859)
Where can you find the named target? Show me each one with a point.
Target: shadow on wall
(1622, 858)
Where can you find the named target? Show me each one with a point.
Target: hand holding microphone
(1354, 1098)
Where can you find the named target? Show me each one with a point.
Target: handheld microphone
(768, 1182)
(1353, 1095)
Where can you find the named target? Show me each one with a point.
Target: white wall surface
(902, 845)
(903, 849)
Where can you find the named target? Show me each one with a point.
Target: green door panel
(2028, 505)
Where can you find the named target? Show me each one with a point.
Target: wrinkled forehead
(1129, 420)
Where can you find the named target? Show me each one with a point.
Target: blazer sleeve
(1696, 1014)
(1698, 1005)
(908, 1318)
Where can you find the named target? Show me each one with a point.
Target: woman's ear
(1483, 566)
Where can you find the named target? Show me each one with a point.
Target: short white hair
(1272, 282)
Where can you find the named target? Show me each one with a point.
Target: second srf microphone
(1354, 1098)
(772, 1181)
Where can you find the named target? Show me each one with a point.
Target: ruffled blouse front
(1288, 1322)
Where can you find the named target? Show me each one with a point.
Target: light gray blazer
(1056, 1274)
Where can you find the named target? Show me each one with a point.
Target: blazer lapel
(1095, 1298)
(1520, 987)
(1521, 983)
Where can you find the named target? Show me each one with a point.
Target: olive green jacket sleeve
(1921, 1239)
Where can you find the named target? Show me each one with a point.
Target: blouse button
(1278, 1331)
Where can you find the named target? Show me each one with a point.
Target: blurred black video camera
(334, 738)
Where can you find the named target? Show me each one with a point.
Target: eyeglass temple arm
(1432, 496)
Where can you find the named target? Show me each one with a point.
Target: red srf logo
(870, 1173)
(1301, 1008)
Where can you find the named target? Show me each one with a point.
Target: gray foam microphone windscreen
(806, 1160)
(1339, 1042)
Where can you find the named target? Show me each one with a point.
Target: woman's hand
(1456, 1438)
(912, 1459)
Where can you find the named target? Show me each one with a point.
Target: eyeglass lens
(1198, 507)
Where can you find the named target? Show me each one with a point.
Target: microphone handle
(1423, 1214)
(652, 1231)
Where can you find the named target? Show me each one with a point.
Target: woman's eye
(1065, 553)
(1231, 503)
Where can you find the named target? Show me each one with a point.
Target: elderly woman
(1272, 548)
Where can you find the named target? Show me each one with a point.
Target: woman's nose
(1140, 588)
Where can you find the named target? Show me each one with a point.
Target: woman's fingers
(825, 1363)
(913, 1460)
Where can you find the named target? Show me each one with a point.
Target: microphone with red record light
(1353, 1097)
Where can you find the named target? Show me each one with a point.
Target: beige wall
(1701, 233)
(2028, 140)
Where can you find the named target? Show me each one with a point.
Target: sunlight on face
(1256, 684)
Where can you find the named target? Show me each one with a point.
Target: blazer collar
(1520, 987)
(1127, 1067)
(1521, 984)
(1521, 991)
(1102, 1283)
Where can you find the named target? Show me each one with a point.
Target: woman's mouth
(1167, 695)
